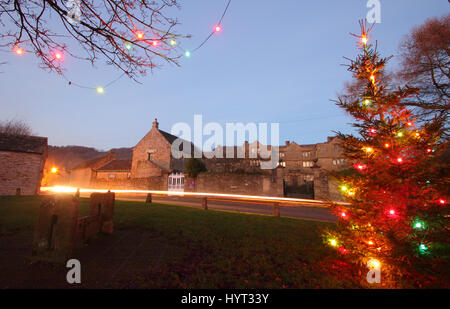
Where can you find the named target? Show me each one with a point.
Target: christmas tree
(395, 220)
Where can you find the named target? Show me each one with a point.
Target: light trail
(64, 189)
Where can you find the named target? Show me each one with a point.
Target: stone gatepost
(102, 205)
(54, 234)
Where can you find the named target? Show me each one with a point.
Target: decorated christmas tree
(395, 221)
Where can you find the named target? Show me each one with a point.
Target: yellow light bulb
(100, 90)
(333, 242)
(374, 263)
(54, 170)
(368, 149)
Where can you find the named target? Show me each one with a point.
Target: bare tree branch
(133, 36)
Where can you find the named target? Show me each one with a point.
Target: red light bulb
(400, 160)
(442, 201)
(217, 28)
(392, 212)
(343, 215)
(58, 55)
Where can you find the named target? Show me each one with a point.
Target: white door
(176, 182)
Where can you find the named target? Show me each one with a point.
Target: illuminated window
(254, 162)
(308, 177)
(339, 161)
(308, 163)
(282, 163)
(307, 154)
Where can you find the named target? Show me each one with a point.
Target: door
(176, 182)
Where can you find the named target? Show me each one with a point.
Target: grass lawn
(205, 249)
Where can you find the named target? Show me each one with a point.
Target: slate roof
(88, 163)
(116, 165)
(27, 144)
(169, 137)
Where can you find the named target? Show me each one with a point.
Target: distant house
(82, 174)
(22, 160)
(115, 170)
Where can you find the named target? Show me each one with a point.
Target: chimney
(288, 143)
(155, 124)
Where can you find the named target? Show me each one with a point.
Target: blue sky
(274, 61)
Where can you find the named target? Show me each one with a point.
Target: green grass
(214, 249)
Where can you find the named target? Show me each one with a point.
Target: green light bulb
(187, 54)
(423, 248)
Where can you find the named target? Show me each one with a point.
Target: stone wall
(150, 183)
(20, 170)
(234, 183)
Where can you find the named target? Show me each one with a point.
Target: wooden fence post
(205, 203)
(77, 194)
(149, 198)
(276, 209)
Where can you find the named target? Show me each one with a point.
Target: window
(308, 177)
(282, 163)
(339, 161)
(307, 154)
(308, 164)
(337, 148)
(282, 154)
(254, 162)
(112, 176)
(150, 157)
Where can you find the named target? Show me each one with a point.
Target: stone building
(304, 167)
(307, 167)
(22, 160)
(152, 156)
(83, 174)
(115, 170)
(152, 166)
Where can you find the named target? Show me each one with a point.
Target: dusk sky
(274, 61)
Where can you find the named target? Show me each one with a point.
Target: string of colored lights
(173, 44)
